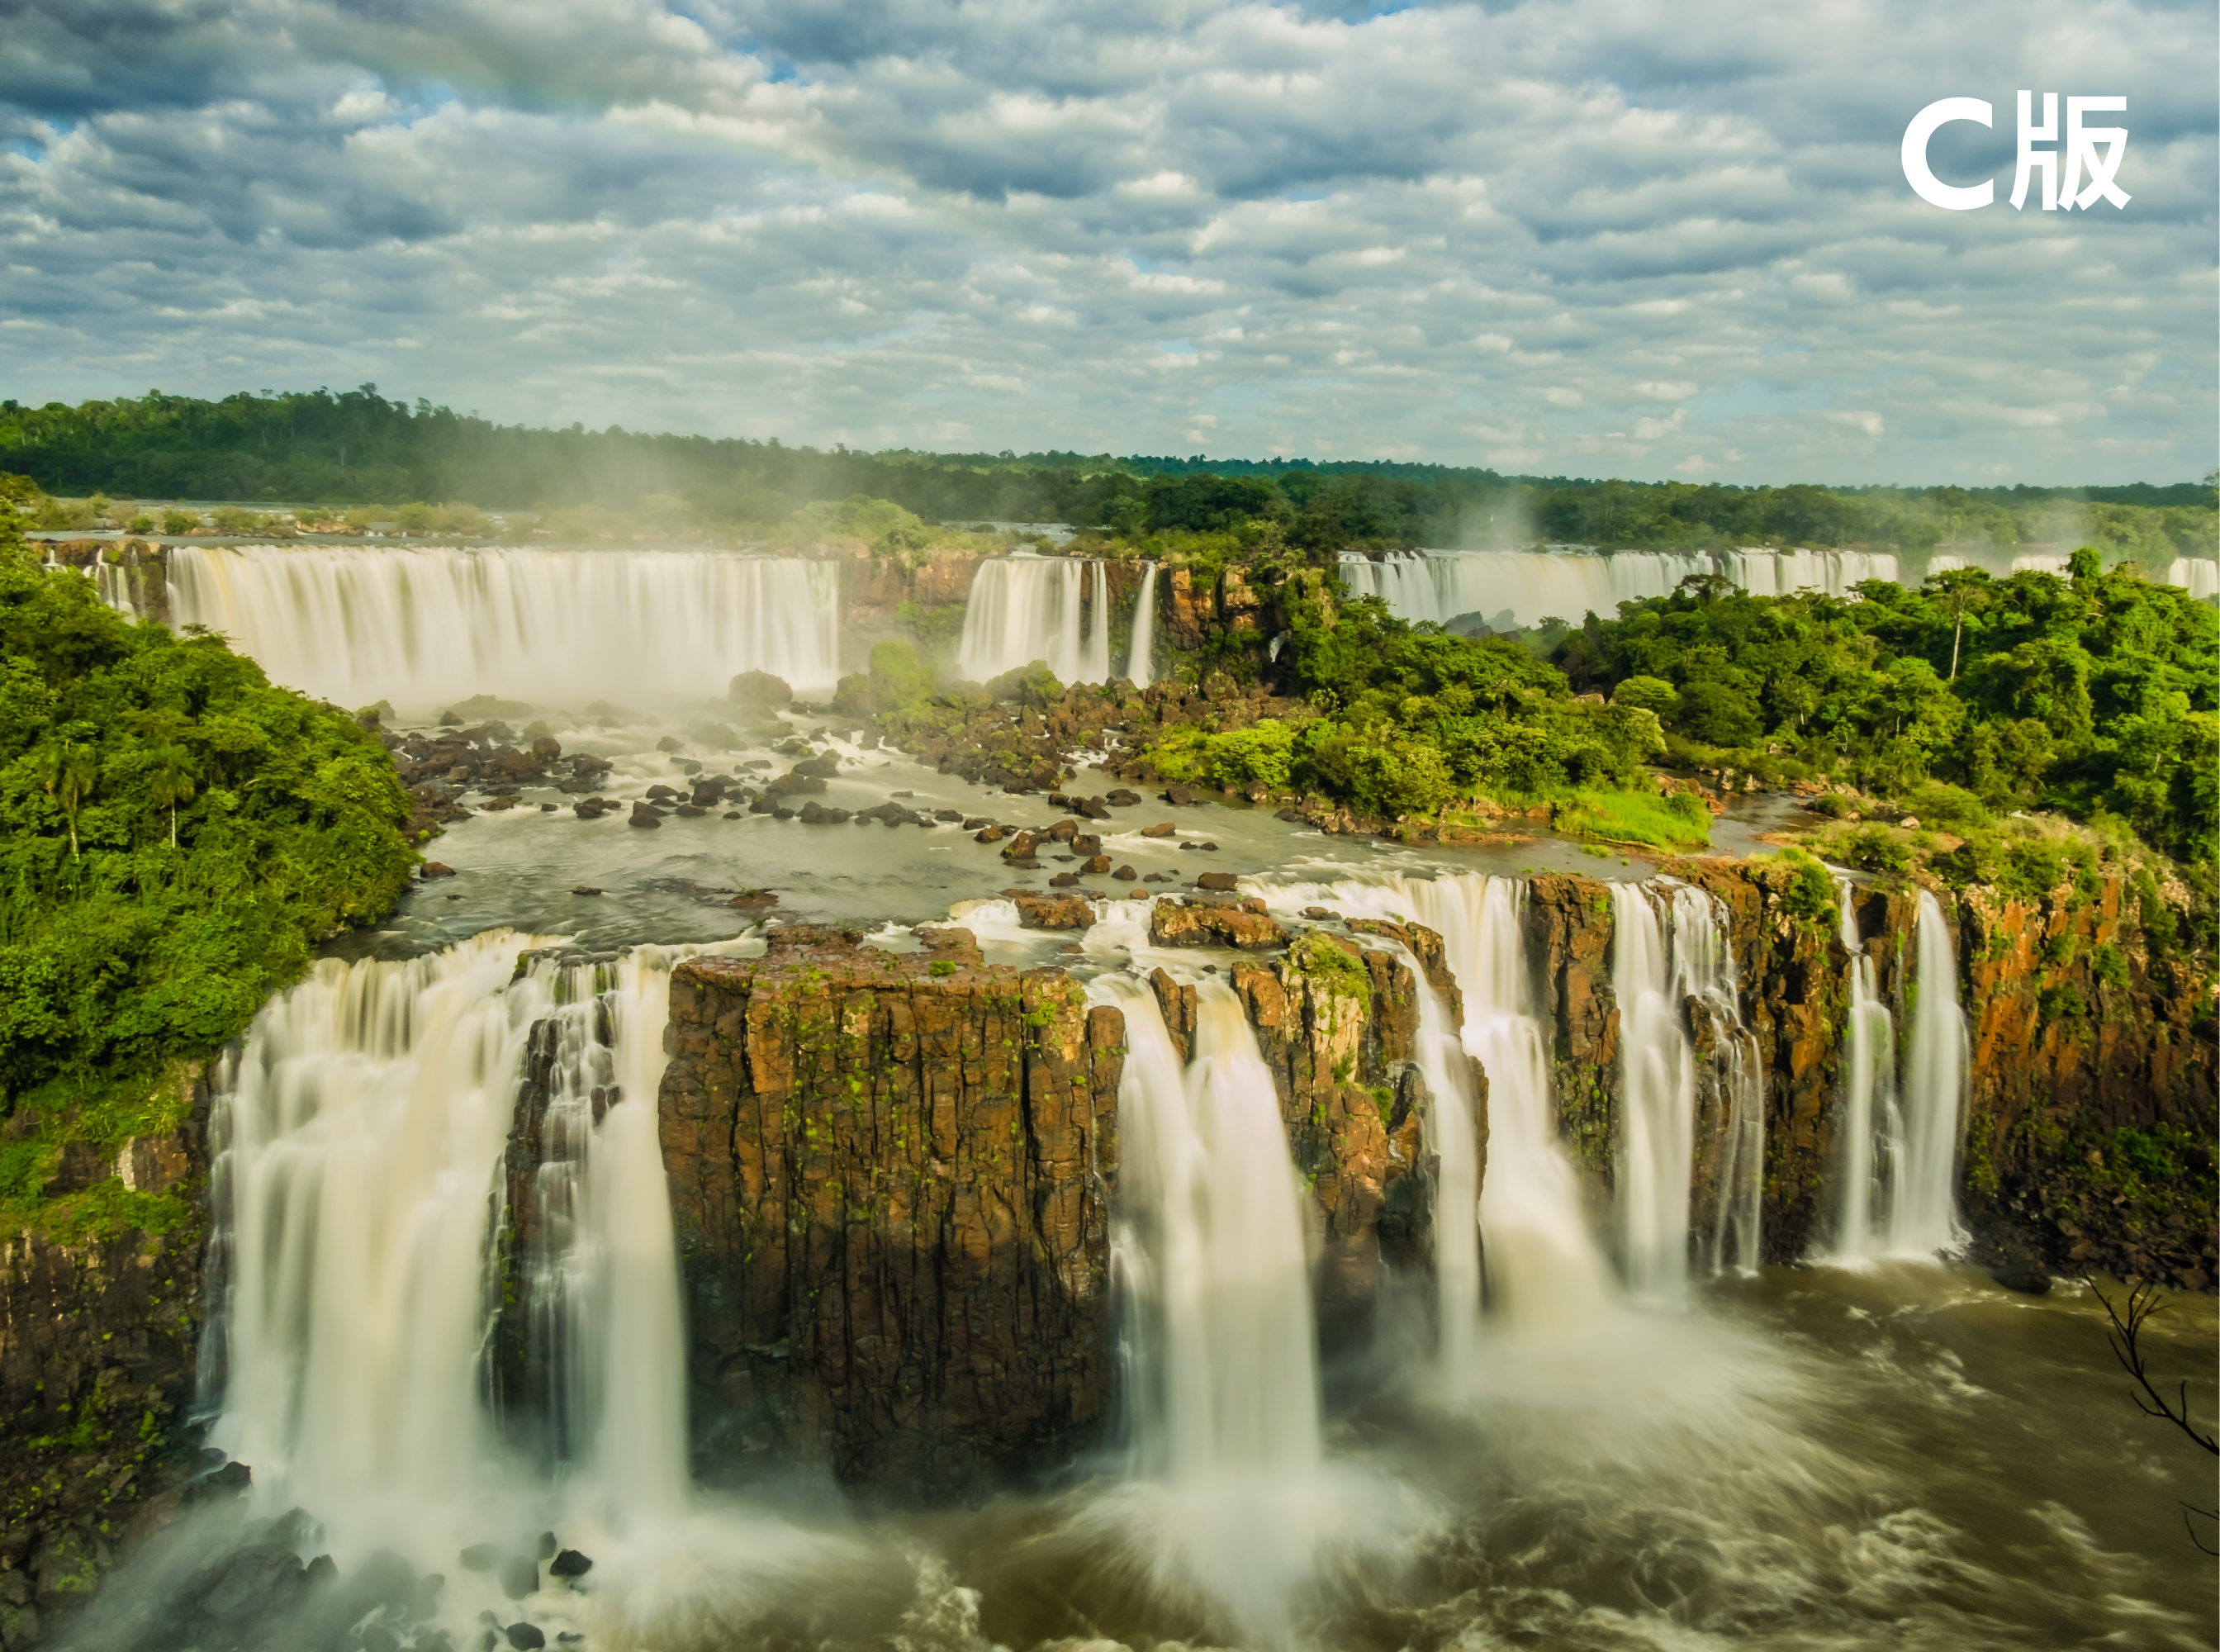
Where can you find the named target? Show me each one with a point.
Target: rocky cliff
(892, 1177)
(1336, 1022)
(99, 1340)
(2090, 1109)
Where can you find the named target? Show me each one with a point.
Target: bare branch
(2142, 1302)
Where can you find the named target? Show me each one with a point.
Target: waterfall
(2199, 575)
(1542, 1269)
(1923, 1216)
(1704, 972)
(1224, 1360)
(1900, 1153)
(561, 628)
(361, 1137)
(1141, 658)
(600, 1282)
(1781, 573)
(1026, 607)
(1529, 586)
(1657, 1101)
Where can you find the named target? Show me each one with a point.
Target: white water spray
(1657, 1101)
(1922, 1218)
(361, 1154)
(1141, 658)
(1210, 1246)
(1872, 1127)
(561, 628)
(1026, 607)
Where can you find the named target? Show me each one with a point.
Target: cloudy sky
(1586, 236)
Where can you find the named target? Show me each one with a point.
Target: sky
(1589, 237)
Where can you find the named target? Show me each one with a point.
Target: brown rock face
(892, 1178)
(1038, 910)
(2077, 1034)
(1337, 1023)
(1176, 922)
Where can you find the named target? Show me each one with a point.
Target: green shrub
(1650, 693)
(1265, 753)
(1808, 893)
(180, 521)
(1877, 848)
(1675, 820)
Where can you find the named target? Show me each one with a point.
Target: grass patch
(1677, 820)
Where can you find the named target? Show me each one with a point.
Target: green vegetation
(1965, 699)
(1404, 720)
(1674, 821)
(174, 833)
(356, 447)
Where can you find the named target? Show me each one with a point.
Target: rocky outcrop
(1337, 1023)
(2089, 1108)
(892, 1178)
(97, 1347)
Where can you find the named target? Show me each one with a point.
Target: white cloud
(878, 215)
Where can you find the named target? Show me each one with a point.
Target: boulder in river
(1222, 881)
(1162, 829)
(1038, 910)
(644, 815)
(1177, 923)
(570, 1563)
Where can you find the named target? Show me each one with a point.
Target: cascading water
(1657, 1101)
(1025, 607)
(355, 625)
(1224, 1369)
(1900, 1150)
(1704, 972)
(1873, 1128)
(2199, 575)
(1923, 1216)
(1141, 658)
(1531, 585)
(1543, 1270)
(1780, 573)
(600, 1287)
(360, 1149)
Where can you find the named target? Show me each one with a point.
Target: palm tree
(70, 769)
(170, 782)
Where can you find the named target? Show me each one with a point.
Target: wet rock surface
(891, 1175)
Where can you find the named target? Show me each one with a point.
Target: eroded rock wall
(892, 1178)
(2077, 1034)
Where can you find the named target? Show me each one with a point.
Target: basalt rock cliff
(892, 1178)
(2091, 1097)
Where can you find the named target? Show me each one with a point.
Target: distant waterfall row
(1024, 608)
(355, 625)
(554, 627)
(1518, 589)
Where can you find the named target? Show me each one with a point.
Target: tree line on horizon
(354, 447)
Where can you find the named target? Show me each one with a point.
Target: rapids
(1599, 1424)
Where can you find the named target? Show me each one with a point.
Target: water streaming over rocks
(429, 627)
(1025, 607)
(1901, 1130)
(454, 1316)
(1517, 588)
